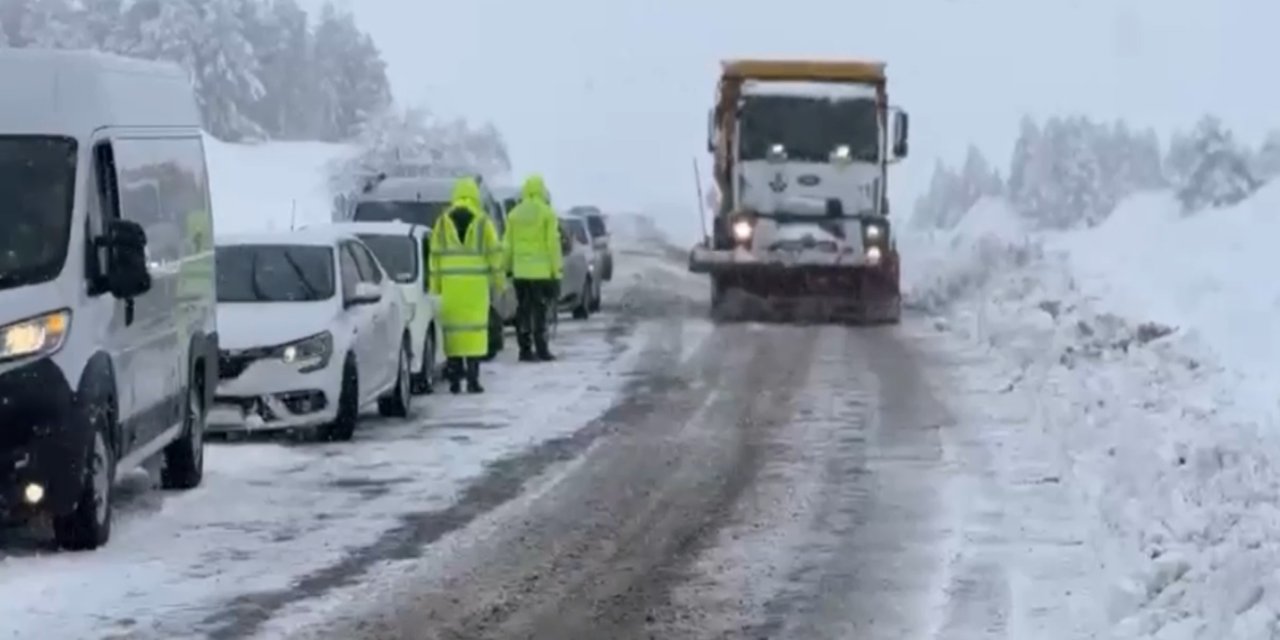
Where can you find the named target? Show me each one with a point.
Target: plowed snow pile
(1140, 359)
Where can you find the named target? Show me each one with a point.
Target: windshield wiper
(313, 293)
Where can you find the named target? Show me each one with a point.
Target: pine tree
(1266, 162)
(51, 24)
(1219, 173)
(354, 85)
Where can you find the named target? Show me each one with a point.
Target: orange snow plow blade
(806, 293)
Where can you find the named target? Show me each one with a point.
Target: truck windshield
(809, 128)
(411, 211)
(37, 189)
(398, 255)
(274, 273)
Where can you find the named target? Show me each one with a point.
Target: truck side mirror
(900, 134)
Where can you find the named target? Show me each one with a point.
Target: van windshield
(398, 255)
(274, 273)
(37, 189)
(410, 211)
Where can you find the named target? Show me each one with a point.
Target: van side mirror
(900, 134)
(126, 245)
(566, 242)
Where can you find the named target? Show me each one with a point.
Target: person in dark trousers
(466, 262)
(533, 258)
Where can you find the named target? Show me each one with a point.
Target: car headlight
(309, 354)
(38, 336)
(742, 230)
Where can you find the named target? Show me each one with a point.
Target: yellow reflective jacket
(532, 241)
(462, 268)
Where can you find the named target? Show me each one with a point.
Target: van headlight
(38, 336)
(309, 354)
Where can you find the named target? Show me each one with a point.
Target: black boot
(527, 355)
(544, 352)
(473, 376)
(453, 372)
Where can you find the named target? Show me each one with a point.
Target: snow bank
(266, 186)
(1138, 358)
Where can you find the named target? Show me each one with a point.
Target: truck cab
(802, 151)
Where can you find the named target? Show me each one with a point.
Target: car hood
(246, 325)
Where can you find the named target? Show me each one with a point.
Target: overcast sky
(608, 99)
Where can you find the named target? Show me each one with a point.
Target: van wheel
(396, 405)
(184, 458)
(424, 381)
(89, 525)
(343, 426)
(583, 310)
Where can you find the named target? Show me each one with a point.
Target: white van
(108, 341)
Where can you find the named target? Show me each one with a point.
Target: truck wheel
(88, 526)
(184, 457)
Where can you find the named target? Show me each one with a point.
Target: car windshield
(37, 189)
(579, 230)
(274, 273)
(809, 128)
(595, 224)
(411, 211)
(397, 254)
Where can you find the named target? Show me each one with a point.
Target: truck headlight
(742, 230)
(38, 336)
(309, 354)
(874, 232)
(874, 255)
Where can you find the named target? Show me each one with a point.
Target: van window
(274, 273)
(162, 187)
(595, 224)
(398, 255)
(37, 189)
(413, 212)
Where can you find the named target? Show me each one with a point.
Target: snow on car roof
(309, 236)
(416, 188)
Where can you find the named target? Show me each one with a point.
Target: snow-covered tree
(1219, 173)
(282, 39)
(951, 194)
(353, 85)
(412, 142)
(48, 24)
(1266, 161)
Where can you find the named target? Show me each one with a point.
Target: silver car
(580, 286)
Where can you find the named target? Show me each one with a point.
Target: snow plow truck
(800, 227)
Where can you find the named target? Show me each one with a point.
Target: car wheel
(583, 310)
(424, 382)
(184, 458)
(496, 337)
(396, 405)
(596, 295)
(88, 526)
(343, 427)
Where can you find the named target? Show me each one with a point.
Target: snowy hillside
(1139, 359)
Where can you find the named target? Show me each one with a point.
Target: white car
(580, 286)
(312, 330)
(401, 248)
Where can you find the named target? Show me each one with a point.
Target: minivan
(108, 337)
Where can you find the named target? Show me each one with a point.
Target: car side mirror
(126, 245)
(566, 243)
(900, 134)
(366, 293)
